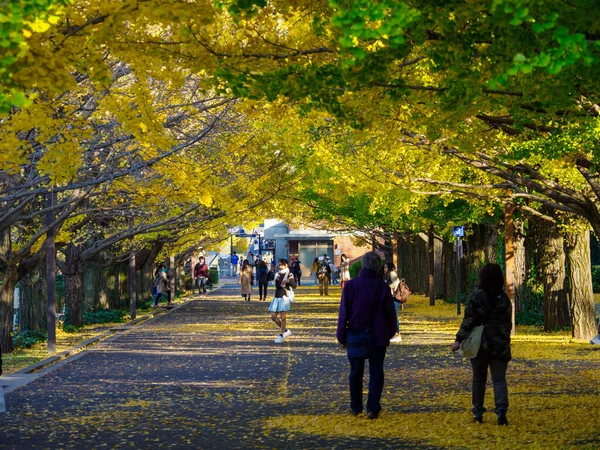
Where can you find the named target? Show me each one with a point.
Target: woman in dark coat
(488, 305)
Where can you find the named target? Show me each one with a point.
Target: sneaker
(478, 417)
(287, 334)
(354, 413)
(396, 338)
(596, 340)
(279, 339)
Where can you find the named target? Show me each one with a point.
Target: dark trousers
(480, 370)
(357, 369)
(201, 284)
(262, 289)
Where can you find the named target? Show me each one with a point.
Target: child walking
(281, 303)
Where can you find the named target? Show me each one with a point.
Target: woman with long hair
(344, 270)
(488, 305)
(280, 305)
(391, 278)
(245, 280)
(314, 269)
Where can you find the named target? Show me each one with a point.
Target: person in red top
(201, 275)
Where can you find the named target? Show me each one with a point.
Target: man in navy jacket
(367, 302)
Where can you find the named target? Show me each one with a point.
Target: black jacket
(280, 291)
(495, 312)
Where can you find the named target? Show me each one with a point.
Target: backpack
(322, 270)
(402, 292)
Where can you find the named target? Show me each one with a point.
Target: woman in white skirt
(281, 303)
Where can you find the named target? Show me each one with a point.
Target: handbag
(359, 343)
(289, 292)
(470, 346)
(402, 292)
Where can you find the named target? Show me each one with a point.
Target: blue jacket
(367, 300)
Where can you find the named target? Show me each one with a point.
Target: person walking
(366, 322)
(234, 264)
(162, 285)
(323, 276)
(344, 270)
(271, 274)
(245, 280)
(201, 275)
(328, 267)
(280, 305)
(391, 278)
(262, 274)
(488, 305)
(314, 269)
(334, 272)
(296, 270)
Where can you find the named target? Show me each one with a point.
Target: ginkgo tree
(497, 85)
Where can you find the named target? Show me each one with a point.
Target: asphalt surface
(206, 375)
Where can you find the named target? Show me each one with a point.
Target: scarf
(283, 274)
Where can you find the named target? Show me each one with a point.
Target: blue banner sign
(459, 231)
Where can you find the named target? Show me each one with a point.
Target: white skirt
(279, 305)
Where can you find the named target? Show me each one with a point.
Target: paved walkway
(206, 375)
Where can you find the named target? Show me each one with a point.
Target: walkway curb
(83, 345)
(94, 340)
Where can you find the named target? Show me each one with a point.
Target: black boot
(478, 417)
(502, 420)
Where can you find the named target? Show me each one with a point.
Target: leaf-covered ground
(208, 375)
(24, 357)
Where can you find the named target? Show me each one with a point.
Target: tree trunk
(438, 250)
(431, 265)
(404, 262)
(7, 288)
(552, 273)
(579, 276)
(520, 280)
(72, 271)
(509, 236)
(6, 312)
(32, 301)
(146, 270)
(112, 286)
(131, 280)
(449, 264)
(171, 278)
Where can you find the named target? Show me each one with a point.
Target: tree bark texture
(32, 301)
(112, 286)
(172, 277)
(481, 247)
(9, 281)
(180, 278)
(144, 262)
(520, 276)
(72, 270)
(552, 275)
(131, 280)
(579, 276)
(94, 285)
(431, 265)
(509, 236)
